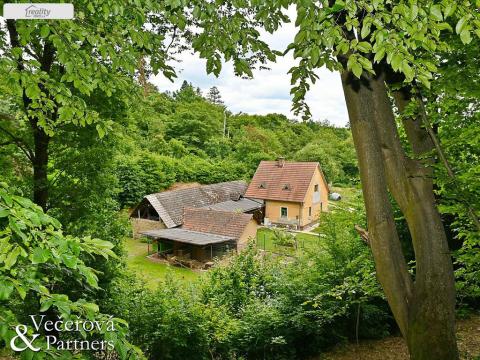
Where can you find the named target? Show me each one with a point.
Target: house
(295, 193)
(205, 234)
(165, 209)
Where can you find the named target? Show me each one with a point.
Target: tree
(214, 96)
(188, 93)
(36, 259)
(52, 67)
(368, 42)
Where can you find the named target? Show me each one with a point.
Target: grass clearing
(265, 241)
(150, 271)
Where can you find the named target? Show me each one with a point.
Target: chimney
(281, 161)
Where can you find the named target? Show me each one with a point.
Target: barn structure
(165, 210)
(205, 234)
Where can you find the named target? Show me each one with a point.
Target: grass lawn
(151, 271)
(265, 242)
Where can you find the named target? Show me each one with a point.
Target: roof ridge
(206, 208)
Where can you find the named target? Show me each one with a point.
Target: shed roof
(225, 223)
(242, 205)
(170, 204)
(289, 182)
(187, 236)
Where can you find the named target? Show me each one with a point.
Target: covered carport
(188, 244)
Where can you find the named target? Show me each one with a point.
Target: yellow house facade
(294, 193)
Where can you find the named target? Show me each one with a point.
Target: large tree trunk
(40, 166)
(424, 309)
(40, 139)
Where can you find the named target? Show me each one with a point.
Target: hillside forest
(84, 136)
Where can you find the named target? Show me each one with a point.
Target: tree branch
(20, 143)
(363, 234)
(445, 162)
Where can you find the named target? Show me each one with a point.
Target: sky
(269, 90)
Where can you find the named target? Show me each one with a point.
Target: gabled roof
(225, 223)
(242, 205)
(170, 204)
(289, 182)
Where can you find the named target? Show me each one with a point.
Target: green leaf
(46, 305)
(44, 31)
(424, 80)
(6, 289)
(379, 55)
(69, 260)
(365, 30)
(39, 255)
(449, 9)
(357, 70)
(408, 71)
(396, 61)
(315, 55)
(4, 212)
(12, 257)
(461, 24)
(364, 46)
(465, 36)
(101, 131)
(436, 11)
(8, 199)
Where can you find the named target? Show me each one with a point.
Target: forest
(84, 136)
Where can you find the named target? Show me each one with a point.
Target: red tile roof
(289, 182)
(224, 223)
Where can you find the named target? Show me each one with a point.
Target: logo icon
(36, 12)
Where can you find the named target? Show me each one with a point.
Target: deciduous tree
(366, 41)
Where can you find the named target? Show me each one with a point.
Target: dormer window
(263, 185)
(286, 187)
(315, 188)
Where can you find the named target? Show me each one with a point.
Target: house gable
(283, 181)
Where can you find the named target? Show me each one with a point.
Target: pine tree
(214, 96)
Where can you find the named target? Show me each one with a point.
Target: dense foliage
(180, 137)
(110, 142)
(259, 307)
(43, 272)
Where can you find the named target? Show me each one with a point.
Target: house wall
(250, 232)
(272, 210)
(318, 205)
(139, 225)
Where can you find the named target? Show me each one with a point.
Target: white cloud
(269, 90)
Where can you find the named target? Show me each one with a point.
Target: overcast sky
(269, 90)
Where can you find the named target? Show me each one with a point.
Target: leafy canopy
(35, 258)
(352, 34)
